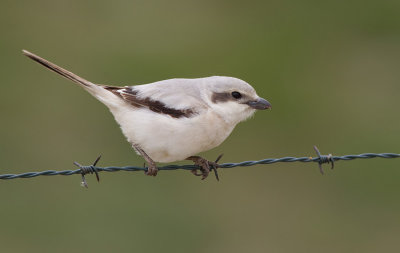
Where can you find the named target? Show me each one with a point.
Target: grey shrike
(172, 120)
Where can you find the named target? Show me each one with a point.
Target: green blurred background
(329, 68)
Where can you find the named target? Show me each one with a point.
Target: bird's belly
(167, 139)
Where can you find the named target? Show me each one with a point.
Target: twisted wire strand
(320, 159)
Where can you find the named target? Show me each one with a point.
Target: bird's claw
(151, 170)
(205, 166)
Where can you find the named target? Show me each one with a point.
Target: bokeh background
(329, 68)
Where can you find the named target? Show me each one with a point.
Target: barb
(88, 169)
(93, 169)
(324, 159)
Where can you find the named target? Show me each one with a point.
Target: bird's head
(233, 99)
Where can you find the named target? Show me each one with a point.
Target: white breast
(167, 139)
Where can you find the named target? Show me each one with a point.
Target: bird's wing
(165, 97)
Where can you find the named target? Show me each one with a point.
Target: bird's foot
(205, 166)
(151, 169)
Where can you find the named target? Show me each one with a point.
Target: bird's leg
(151, 165)
(205, 166)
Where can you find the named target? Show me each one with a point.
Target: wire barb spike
(215, 166)
(88, 170)
(324, 159)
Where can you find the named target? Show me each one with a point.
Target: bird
(174, 119)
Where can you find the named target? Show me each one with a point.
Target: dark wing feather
(130, 95)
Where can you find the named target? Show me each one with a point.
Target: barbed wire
(320, 159)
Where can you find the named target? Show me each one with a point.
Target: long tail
(65, 73)
(99, 92)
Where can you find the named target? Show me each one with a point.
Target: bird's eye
(236, 95)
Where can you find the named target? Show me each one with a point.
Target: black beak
(259, 104)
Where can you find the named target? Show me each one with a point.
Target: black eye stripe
(236, 94)
(228, 96)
